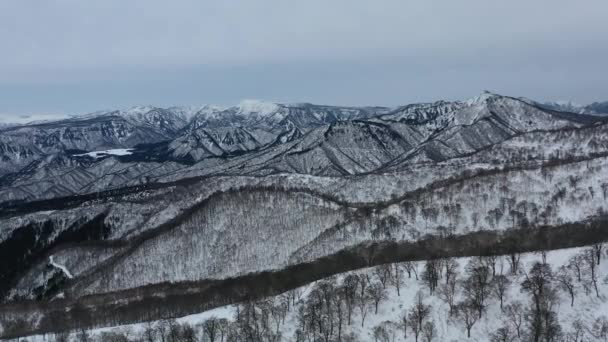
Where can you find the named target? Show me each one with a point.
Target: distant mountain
(257, 138)
(596, 108)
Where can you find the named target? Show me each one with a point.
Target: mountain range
(135, 203)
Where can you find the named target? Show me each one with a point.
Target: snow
(138, 110)
(112, 152)
(481, 98)
(61, 267)
(586, 308)
(256, 106)
(12, 119)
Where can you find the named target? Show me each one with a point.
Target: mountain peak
(481, 98)
(138, 110)
(257, 106)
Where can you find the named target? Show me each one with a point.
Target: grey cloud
(166, 51)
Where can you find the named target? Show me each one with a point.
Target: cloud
(15, 118)
(115, 42)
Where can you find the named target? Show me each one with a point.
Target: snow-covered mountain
(595, 108)
(200, 201)
(259, 138)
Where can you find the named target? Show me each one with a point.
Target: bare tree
(376, 292)
(63, 336)
(577, 333)
(451, 269)
(211, 328)
(349, 288)
(577, 263)
(541, 318)
(477, 285)
(174, 331)
(598, 248)
(363, 282)
(566, 282)
(500, 285)
(397, 278)
(591, 268)
(411, 267)
(418, 315)
(162, 327)
(149, 332)
(403, 324)
(340, 312)
(490, 262)
(391, 329)
(468, 313)
(515, 315)
(502, 334)
(223, 328)
(430, 275)
(514, 262)
(380, 334)
(83, 336)
(363, 304)
(599, 329)
(447, 292)
(429, 331)
(383, 273)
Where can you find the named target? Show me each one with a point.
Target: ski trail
(61, 267)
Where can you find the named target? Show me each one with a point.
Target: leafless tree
(447, 292)
(451, 269)
(541, 317)
(349, 288)
(429, 331)
(500, 285)
(477, 285)
(411, 267)
(599, 329)
(403, 324)
(83, 336)
(598, 248)
(150, 332)
(418, 315)
(577, 333)
(223, 326)
(63, 336)
(162, 327)
(577, 263)
(430, 274)
(380, 334)
(363, 304)
(376, 292)
(566, 282)
(364, 281)
(340, 313)
(397, 278)
(503, 334)
(515, 315)
(383, 273)
(211, 328)
(491, 261)
(514, 262)
(591, 268)
(468, 313)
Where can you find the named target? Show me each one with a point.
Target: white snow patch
(61, 267)
(256, 106)
(113, 152)
(481, 98)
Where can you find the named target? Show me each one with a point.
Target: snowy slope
(587, 307)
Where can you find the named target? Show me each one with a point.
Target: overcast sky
(75, 56)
